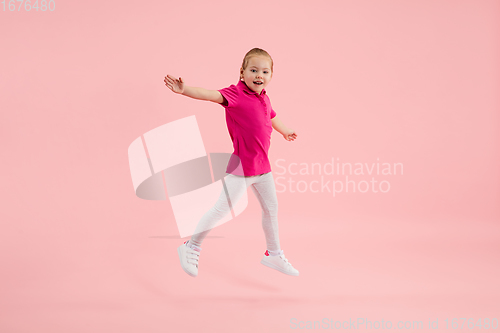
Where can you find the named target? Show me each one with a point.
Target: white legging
(265, 191)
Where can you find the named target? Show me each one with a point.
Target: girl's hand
(177, 86)
(290, 135)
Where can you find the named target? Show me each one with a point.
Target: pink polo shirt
(248, 119)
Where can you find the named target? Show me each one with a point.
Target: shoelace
(285, 259)
(193, 255)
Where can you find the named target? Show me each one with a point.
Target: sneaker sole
(180, 259)
(265, 263)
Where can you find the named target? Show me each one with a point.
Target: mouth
(257, 83)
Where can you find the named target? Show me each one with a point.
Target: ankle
(193, 245)
(275, 253)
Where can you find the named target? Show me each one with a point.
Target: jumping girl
(250, 120)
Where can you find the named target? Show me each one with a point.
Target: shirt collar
(243, 86)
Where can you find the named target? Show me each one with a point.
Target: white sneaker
(189, 257)
(279, 263)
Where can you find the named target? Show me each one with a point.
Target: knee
(221, 209)
(271, 208)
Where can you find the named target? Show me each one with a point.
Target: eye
(253, 70)
(266, 72)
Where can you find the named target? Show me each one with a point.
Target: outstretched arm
(288, 133)
(178, 86)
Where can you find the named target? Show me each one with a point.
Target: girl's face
(258, 70)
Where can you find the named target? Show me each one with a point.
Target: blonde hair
(254, 52)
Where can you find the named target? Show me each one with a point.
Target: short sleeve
(273, 114)
(230, 94)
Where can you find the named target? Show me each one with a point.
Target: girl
(250, 120)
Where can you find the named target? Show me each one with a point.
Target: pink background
(412, 82)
